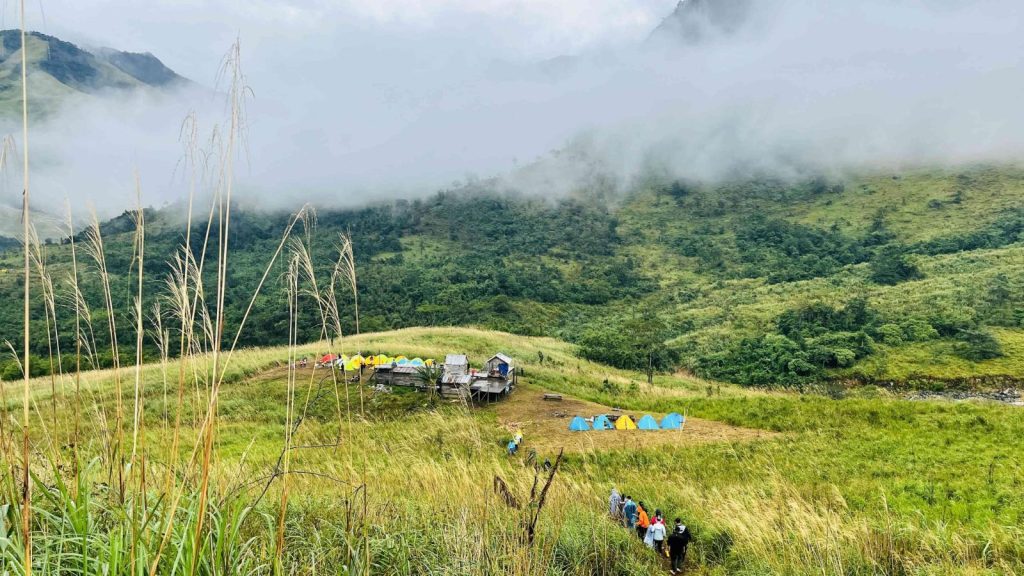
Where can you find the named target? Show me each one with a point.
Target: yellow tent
(625, 423)
(429, 361)
(380, 359)
(358, 358)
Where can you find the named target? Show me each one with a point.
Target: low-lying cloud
(375, 112)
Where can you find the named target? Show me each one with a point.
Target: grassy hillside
(863, 485)
(915, 277)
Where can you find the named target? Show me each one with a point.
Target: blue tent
(647, 423)
(578, 424)
(673, 421)
(601, 422)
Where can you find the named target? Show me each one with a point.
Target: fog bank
(358, 113)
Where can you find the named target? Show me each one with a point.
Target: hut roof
(502, 357)
(456, 359)
(402, 369)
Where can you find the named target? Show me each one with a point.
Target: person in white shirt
(657, 530)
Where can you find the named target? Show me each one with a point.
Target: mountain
(60, 70)
(696, 21)
(914, 278)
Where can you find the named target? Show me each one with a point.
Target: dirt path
(545, 425)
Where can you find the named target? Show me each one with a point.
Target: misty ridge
(719, 91)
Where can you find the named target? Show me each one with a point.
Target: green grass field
(868, 484)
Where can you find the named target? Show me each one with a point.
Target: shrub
(891, 334)
(891, 265)
(767, 360)
(918, 330)
(977, 345)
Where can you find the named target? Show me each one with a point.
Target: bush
(767, 360)
(891, 265)
(918, 330)
(839, 349)
(977, 345)
(891, 334)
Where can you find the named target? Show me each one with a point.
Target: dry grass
(545, 426)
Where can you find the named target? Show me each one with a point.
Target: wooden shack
(398, 375)
(456, 364)
(503, 366)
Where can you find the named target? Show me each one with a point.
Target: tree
(891, 265)
(635, 344)
(977, 345)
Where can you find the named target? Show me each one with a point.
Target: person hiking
(657, 531)
(677, 543)
(629, 513)
(643, 521)
(614, 502)
(512, 447)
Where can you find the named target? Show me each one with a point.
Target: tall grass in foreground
(131, 504)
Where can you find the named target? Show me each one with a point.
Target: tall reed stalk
(94, 248)
(26, 511)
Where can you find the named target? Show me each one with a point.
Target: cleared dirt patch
(545, 426)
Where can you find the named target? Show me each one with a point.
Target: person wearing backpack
(629, 513)
(677, 543)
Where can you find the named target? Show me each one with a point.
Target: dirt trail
(545, 425)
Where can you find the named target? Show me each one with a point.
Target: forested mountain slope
(915, 277)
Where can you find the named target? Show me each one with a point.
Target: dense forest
(915, 277)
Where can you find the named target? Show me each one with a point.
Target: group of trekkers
(651, 529)
(514, 443)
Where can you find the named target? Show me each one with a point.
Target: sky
(354, 101)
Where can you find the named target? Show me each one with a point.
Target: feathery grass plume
(82, 311)
(292, 279)
(348, 267)
(334, 318)
(138, 455)
(26, 502)
(236, 99)
(50, 317)
(94, 249)
(138, 218)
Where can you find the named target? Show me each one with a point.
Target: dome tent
(578, 424)
(673, 421)
(647, 423)
(601, 422)
(625, 423)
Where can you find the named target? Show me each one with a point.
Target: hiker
(657, 534)
(643, 521)
(512, 447)
(614, 502)
(629, 513)
(677, 543)
(518, 438)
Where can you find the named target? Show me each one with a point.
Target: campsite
(512, 288)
